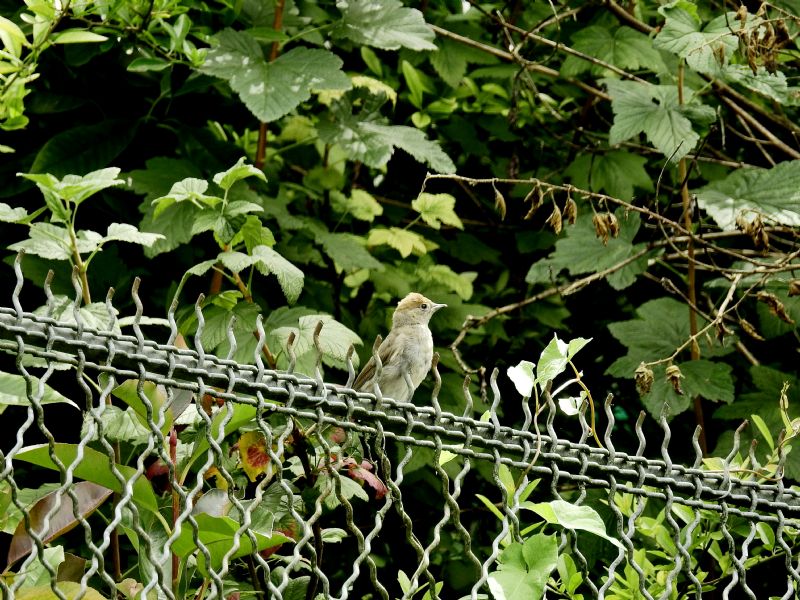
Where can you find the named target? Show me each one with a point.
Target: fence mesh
(192, 475)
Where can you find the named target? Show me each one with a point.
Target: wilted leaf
(90, 496)
(253, 454)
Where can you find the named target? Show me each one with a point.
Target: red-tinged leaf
(363, 472)
(90, 496)
(253, 454)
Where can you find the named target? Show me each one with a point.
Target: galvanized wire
(293, 412)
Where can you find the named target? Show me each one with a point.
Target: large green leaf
(289, 276)
(218, 535)
(348, 251)
(774, 192)
(83, 148)
(654, 110)
(581, 251)
(365, 136)
(271, 90)
(615, 172)
(572, 516)
(622, 47)
(335, 339)
(384, 24)
(524, 569)
(706, 49)
(13, 392)
(94, 466)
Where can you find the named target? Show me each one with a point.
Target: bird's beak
(438, 306)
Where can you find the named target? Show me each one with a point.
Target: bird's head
(414, 309)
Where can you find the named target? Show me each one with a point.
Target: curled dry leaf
(794, 288)
(535, 198)
(775, 306)
(643, 376)
(606, 226)
(570, 212)
(554, 220)
(600, 227)
(748, 328)
(674, 376)
(500, 203)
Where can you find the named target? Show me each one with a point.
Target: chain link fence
(193, 476)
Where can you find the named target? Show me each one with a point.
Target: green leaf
(655, 111)
(255, 234)
(124, 232)
(289, 276)
(335, 339)
(13, 392)
(367, 138)
(444, 276)
(219, 535)
(621, 46)
(236, 173)
(521, 375)
(83, 148)
(11, 215)
(706, 49)
(449, 61)
(143, 64)
(191, 190)
(48, 241)
(402, 240)
(772, 85)
(360, 204)
(75, 188)
(128, 392)
(572, 516)
(764, 430)
(272, 90)
(580, 251)
(615, 172)
(661, 326)
(69, 589)
(384, 24)
(77, 36)
(12, 36)
(555, 357)
(93, 316)
(437, 209)
(93, 466)
(773, 192)
(524, 569)
(707, 379)
(348, 252)
(414, 142)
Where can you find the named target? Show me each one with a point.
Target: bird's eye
(424, 305)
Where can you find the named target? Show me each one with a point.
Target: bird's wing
(386, 351)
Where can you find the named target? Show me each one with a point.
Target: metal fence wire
(145, 502)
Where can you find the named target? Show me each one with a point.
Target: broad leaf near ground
(271, 90)
(655, 111)
(773, 192)
(384, 24)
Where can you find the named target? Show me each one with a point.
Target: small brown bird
(407, 349)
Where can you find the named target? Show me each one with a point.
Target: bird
(408, 349)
